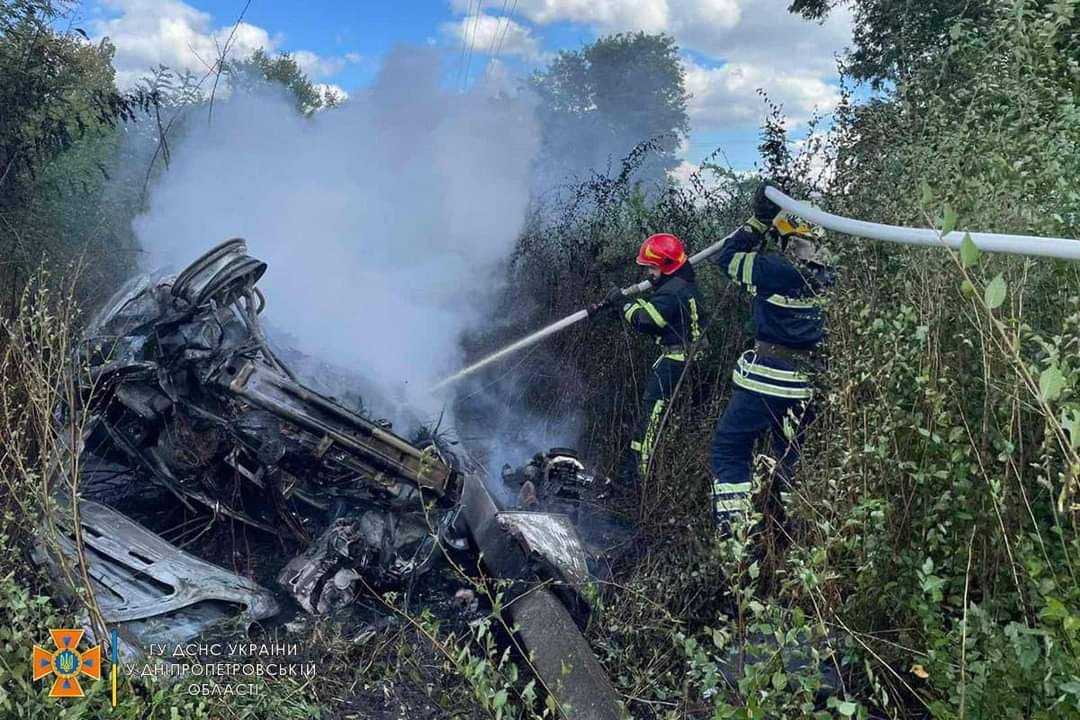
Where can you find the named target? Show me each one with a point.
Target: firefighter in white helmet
(772, 381)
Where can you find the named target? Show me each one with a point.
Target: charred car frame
(192, 417)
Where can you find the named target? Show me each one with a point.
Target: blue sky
(730, 47)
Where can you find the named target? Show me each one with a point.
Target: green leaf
(718, 639)
(969, 254)
(948, 223)
(967, 289)
(847, 708)
(1055, 611)
(500, 699)
(995, 292)
(1051, 382)
(779, 680)
(1071, 423)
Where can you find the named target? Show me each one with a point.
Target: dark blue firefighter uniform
(772, 391)
(673, 315)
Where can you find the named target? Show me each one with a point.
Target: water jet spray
(1063, 248)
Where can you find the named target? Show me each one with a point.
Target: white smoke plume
(384, 222)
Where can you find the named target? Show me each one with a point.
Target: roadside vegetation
(930, 568)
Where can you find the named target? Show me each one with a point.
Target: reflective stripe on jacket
(785, 302)
(672, 314)
(771, 376)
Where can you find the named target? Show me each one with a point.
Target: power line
(495, 35)
(464, 43)
(506, 27)
(470, 53)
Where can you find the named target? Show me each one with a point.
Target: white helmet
(802, 240)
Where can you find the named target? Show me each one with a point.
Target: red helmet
(663, 251)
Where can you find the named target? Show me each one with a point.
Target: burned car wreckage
(194, 423)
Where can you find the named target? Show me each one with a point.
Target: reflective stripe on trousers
(730, 500)
(747, 418)
(647, 444)
(663, 377)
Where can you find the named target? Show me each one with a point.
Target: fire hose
(990, 242)
(1062, 248)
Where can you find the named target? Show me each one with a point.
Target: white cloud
(493, 35)
(767, 34)
(148, 33)
(606, 15)
(704, 18)
(756, 43)
(316, 66)
(727, 96)
(730, 30)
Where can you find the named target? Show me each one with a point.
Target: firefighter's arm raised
(750, 269)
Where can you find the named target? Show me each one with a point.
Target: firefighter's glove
(764, 209)
(610, 302)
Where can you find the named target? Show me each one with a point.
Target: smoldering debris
(182, 392)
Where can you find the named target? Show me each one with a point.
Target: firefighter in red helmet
(672, 313)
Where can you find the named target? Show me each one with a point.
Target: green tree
(54, 87)
(599, 102)
(57, 138)
(962, 367)
(261, 71)
(986, 117)
(892, 39)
